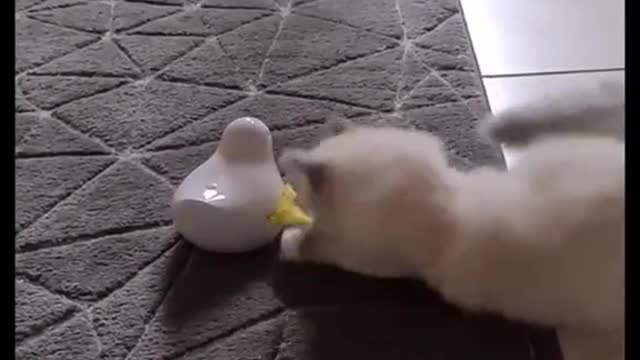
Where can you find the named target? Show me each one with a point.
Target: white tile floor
(525, 48)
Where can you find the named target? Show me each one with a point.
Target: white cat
(543, 242)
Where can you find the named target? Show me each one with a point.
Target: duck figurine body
(236, 200)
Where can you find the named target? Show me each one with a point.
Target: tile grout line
(544, 73)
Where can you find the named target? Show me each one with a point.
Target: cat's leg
(291, 243)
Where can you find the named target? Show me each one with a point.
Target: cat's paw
(291, 243)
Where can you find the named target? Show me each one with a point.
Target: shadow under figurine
(236, 200)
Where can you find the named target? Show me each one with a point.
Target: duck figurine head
(236, 200)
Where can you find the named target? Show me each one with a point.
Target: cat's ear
(299, 161)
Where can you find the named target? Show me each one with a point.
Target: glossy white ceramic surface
(223, 204)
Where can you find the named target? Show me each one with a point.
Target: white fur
(543, 243)
(290, 243)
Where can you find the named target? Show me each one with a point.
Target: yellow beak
(287, 212)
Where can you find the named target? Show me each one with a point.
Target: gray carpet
(117, 101)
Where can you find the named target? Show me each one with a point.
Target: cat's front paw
(291, 243)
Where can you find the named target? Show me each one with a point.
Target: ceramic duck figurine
(236, 200)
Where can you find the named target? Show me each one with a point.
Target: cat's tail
(594, 111)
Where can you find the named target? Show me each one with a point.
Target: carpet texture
(117, 101)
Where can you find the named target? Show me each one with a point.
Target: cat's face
(360, 187)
